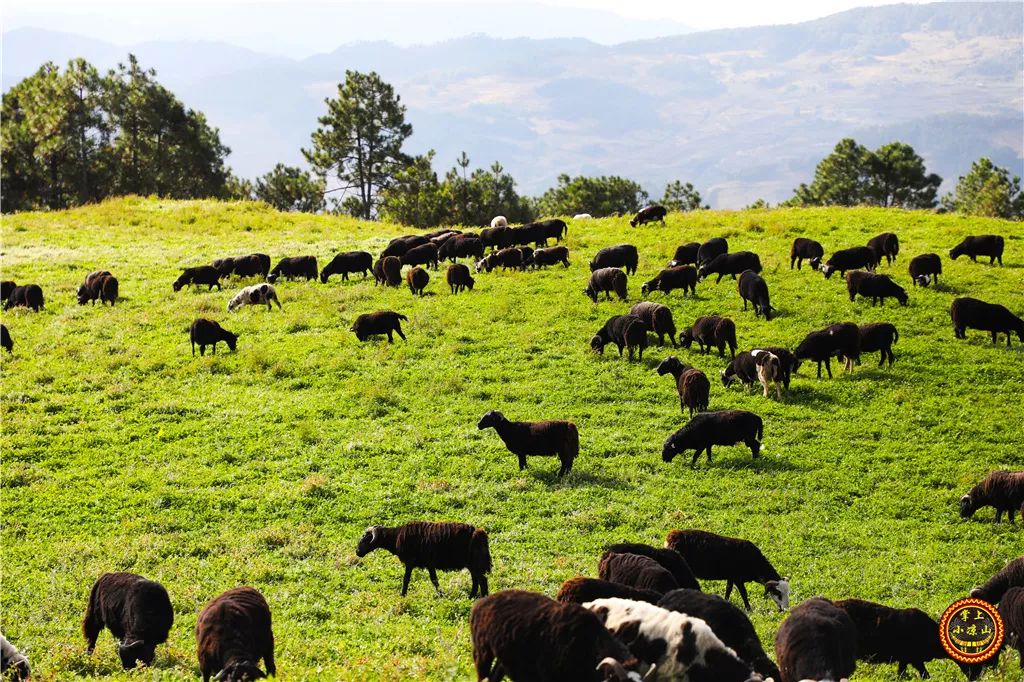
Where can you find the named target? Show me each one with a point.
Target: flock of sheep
(644, 616)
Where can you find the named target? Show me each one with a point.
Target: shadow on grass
(578, 478)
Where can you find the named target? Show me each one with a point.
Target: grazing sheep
(925, 269)
(669, 559)
(636, 570)
(607, 280)
(89, 291)
(253, 265)
(805, 248)
(686, 254)
(527, 636)
(459, 278)
(553, 229)
(497, 237)
(737, 561)
(108, 290)
(875, 287)
(550, 256)
(841, 340)
(436, 547)
(625, 331)
(676, 645)
(818, 641)
(205, 333)
(888, 635)
(379, 323)
(730, 264)
(295, 267)
(879, 336)
(6, 287)
(741, 367)
(527, 256)
(729, 624)
(658, 318)
(398, 247)
(754, 289)
(27, 296)
(649, 214)
(621, 256)
(712, 249)
(769, 370)
(499, 221)
(345, 263)
(137, 612)
(1009, 576)
(683, 277)
(506, 258)
(787, 362)
(1002, 490)
(424, 254)
(582, 216)
(711, 331)
(225, 266)
(204, 274)
(560, 438)
(233, 633)
(990, 245)
(850, 259)
(461, 246)
(256, 294)
(530, 233)
(727, 427)
(6, 342)
(885, 245)
(578, 590)
(1011, 608)
(418, 280)
(390, 270)
(970, 313)
(13, 663)
(692, 384)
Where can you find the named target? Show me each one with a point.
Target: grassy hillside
(123, 452)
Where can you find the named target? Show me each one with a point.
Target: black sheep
(681, 277)
(424, 254)
(712, 249)
(686, 254)
(506, 259)
(607, 280)
(735, 560)
(579, 590)
(821, 346)
(704, 430)
(990, 245)
(729, 623)
(970, 313)
(388, 271)
(817, 642)
(459, 278)
(879, 337)
(378, 323)
(6, 342)
(137, 612)
(1011, 608)
(550, 256)
(295, 267)
(621, 256)
(461, 246)
(730, 264)
(625, 331)
(436, 547)
(495, 237)
(658, 318)
(888, 635)
(711, 331)
(560, 438)
(692, 384)
(846, 340)
(805, 248)
(875, 287)
(636, 570)
(741, 367)
(13, 664)
(205, 333)
(233, 632)
(418, 278)
(754, 289)
(1003, 490)
(89, 291)
(527, 256)
(253, 265)
(204, 274)
(27, 296)
(925, 269)
(554, 228)
(6, 287)
(527, 636)
(225, 266)
(850, 259)
(345, 263)
(670, 560)
(530, 233)
(649, 214)
(397, 247)
(885, 245)
(1009, 576)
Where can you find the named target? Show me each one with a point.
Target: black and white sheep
(98, 285)
(256, 294)
(204, 332)
(550, 256)
(137, 612)
(13, 664)
(850, 259)
(805, 248)
(6, 342)
(1009, 576)
(204, 274)
(348, 263)
(510, 258)
(294, 267)
(737, 561)
(649, 214)
(730, 264)
(559, 438)
(234, 631)
(579, 589)
(636, 570)
(706, 429)
(418, 279)
(818, 641)
(681, 277)
(669, 559)
(459, 278)
(970, 313)
(686, 254)
(1002, 490)
(741, 367)
(712, 249)
(925, 269)
(424, 254)
(607, 280)
(435, 546)
(990, 245)
(907, 637)
(620, 256)
(729, 624)
(711, 331)
(379, 323)
(885, 245)
(769, 370)
(625, 331)
(527, 636)
(822, 345)
(27, 296)
(692, 385)
(754, 289)
(879, 337)
(658, 318)
(874, 286)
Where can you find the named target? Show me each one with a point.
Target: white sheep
(257, 294)
(582, 216)
(499, 221)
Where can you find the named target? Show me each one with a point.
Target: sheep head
(136, 650)
(368, 542)
(591, 292)
(597, 344)
(827, 270)
(967, 507)
(490, 419)
(778, 592)
(240, 671)
(669, 365)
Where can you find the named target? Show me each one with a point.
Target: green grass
(123, 452)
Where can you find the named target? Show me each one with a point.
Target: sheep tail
(480, 552)
(403, 317)
(92, 613)
(895, 334)
(572, 440)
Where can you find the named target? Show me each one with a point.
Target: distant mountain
(742, 113)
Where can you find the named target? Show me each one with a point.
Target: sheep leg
(728, 589)
(522, 462)
(405, 580)
(268, 658)
(921, 670)
(398, 330)
(433, 579)
(693, 462)
(483, 659)
(743, 593)
(391, 338)
(193, 347)
(482, 580)
(828, 367)
(709, 454)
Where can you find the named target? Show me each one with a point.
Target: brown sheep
(378, 323)
(691, 383)
(1003, 490)
(710, 331)
(418, 280)
(135, 610)
(658, 318)
(459, 278)
(232, 634)
(559, 438)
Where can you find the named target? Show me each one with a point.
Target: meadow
(122, 451)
